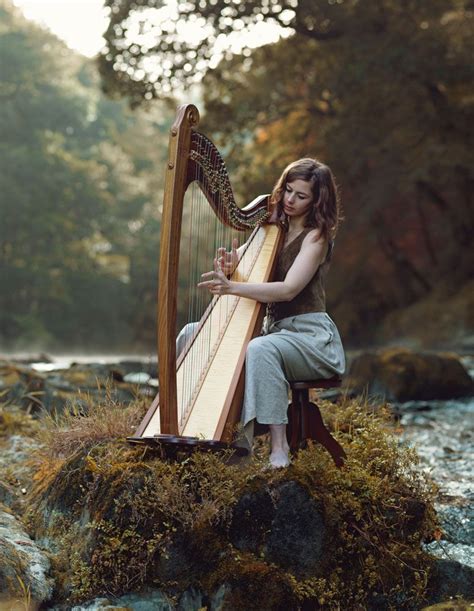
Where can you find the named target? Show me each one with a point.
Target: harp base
(170, 445)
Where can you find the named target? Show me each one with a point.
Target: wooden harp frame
(190, 151)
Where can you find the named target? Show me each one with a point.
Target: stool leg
(319, 432)
(295, 416)
(298, 419)
(304, 407)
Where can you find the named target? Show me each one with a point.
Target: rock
(449, 579)
(14, 455)
(25, 385)
(89, 375)
(252, 520)
(7, 494)
(194, 600)
(34, 391)
(150, 367)
(190, 600)
(455, 552)
(137, 378)
(398, 374)
(152, 600)
(24, 568)
(286, 527)
(34, 358)
(296, 540)
(57, 382)
(457, 523)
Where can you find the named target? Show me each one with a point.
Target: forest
(80, 196)
(382, 92)
(107, 498)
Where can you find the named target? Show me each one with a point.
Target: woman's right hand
(227, 260)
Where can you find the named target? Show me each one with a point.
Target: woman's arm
(311, 255)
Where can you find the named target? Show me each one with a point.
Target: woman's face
(297, 198)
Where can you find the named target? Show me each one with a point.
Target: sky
(80, 23)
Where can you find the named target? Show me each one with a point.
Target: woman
(302, 341)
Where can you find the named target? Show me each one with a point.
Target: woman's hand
(216, 281)
(227, 260)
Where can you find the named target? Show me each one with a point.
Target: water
(443, 435)
(65, 361)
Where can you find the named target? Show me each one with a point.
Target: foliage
(79, 207)
(161, 523)
(386, 107)
(381, 91)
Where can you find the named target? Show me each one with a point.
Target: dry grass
(14, 421)
(17, 605)
(87, 421)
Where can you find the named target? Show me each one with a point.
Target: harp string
(197, 366)
(204, 233)
(195, 232)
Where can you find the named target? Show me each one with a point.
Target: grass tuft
(86, 421)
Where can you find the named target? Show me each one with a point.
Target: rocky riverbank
(443, 434)
(79, 508)
(40, 386)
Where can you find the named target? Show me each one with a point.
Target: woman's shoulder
(314, 236)
(315, 240)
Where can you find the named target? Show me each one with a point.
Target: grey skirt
(303, 347)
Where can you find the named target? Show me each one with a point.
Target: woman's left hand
(216, 281)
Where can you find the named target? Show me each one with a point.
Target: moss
(253, 582)
(122, 519)
(14, 421)
(453, 605)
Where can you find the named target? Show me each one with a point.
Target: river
(443, 435)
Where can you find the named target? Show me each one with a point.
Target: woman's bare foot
(279, 447)
(279, 459)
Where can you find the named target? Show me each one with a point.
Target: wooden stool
(305, 420)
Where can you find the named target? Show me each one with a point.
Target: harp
(201, 389)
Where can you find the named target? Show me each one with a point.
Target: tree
(78, 181)
(381, 91)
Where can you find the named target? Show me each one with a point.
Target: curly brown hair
(325, 213)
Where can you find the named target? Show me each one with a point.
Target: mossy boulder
(120, 519)
(399, 374)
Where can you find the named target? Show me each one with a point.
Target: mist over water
(41, 361)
